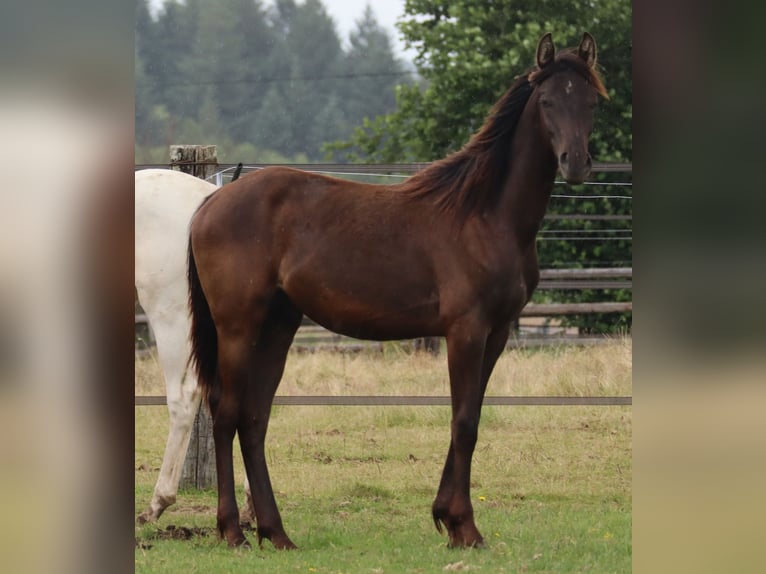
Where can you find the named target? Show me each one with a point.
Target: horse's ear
(587, 49)
(545, 51)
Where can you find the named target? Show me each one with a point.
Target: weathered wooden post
(199, 467)
(197, 160)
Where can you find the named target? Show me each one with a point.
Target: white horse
(165, 201)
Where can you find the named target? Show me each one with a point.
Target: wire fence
(617, 276)
(610, 227)
(580, 227)
(534, 327)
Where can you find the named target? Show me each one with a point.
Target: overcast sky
(347, 12)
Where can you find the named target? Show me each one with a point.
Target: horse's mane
(467, 181)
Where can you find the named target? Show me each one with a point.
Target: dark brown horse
(449, 252)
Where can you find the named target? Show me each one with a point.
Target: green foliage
(236, 72)
(589, 243)
(276, 82)
(467, 53)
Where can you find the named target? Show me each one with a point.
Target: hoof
(463, 543)
(465, 535)
(280, 541)
(234, 537)
(285, 544)
(461, 533)
(239, 542)
(143, 518)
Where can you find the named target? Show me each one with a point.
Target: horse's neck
(528, 185)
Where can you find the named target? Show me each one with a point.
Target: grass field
(551, 486)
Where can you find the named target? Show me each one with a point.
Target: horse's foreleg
(452, 506)
(471, 356)
(266, 371)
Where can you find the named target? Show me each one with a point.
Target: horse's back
(165, 201)
(283, 211)
(168, 194)
(354, 257)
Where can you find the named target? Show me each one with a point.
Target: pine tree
(373, 69)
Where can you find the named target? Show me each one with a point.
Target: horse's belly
(387, 332)
(377, 319)
(375, 298)
(378, 324)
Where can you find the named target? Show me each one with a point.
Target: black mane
(467, 180)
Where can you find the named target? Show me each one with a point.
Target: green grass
(351, 534)
(551, 486)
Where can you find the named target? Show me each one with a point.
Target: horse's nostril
(563, 158)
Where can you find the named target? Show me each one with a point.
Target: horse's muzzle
(575, 167)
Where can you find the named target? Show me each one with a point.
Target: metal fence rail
(550, 279)
(381, 168)
(378, 400)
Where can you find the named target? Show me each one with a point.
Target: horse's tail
(204, 339)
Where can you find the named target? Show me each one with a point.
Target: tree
(273, 123)
(171, 41)
(373, 70)
(298, 90)
(144, 91)
(143, 98)
(467, 54)
(201, 68)
(229, 55)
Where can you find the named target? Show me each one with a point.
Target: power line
(349, 76)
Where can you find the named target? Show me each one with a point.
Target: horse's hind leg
(183, 398)
(234, 350)
(267, 367)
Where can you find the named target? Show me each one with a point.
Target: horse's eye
(546, 103)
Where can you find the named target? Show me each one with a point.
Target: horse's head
(566, 96)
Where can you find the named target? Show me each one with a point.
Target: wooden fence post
(199, 467)
(197, 160)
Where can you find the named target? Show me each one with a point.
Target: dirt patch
(173, 532)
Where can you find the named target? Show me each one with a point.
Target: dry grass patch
(601, 370)
(362, 438)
